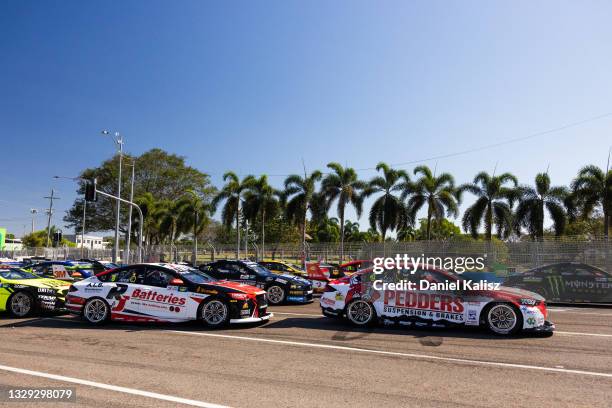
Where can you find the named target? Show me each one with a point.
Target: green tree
(437, 193)
(260, 198)
(163, 175)
(343, 186)
(440, 229)
(300, 193)
(493, 204)
(532, 203)
(327, 230)
(232, 193)
(388, 211)
(592, 190)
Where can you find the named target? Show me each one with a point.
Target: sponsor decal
(424, 305)
(296, 292)
(296, 298)
(279, 280)
(327, 301)
(339, 296)
(556, 285)
(531, 321)
(206, 291)
(158, 297)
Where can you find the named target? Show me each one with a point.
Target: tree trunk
(341, 235)
(428, 223)
(238, 231)
(263, 234)
(489, 221)
(540, 236)
(304, 240)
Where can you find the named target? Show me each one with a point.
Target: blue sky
(255, 86)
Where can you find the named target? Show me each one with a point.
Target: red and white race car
(165, 293)
(433, 297)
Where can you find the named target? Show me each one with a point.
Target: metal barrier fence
(499, 256)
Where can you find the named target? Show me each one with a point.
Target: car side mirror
(176, 282)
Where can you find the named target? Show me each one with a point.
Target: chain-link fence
(499, 256)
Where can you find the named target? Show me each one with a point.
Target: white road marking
(583, 334)
(399, 354)
(110, 387)
(559, 332)
(574, 311)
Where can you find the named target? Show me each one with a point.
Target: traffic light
(90, 191)
(57, 238)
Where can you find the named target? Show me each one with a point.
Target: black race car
(280, 288)
(99, 266)
(566, 282)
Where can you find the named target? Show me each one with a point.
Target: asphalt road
(300, 358)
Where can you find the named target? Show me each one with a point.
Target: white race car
(433, 297)
(165, 293)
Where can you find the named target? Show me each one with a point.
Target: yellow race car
(280, 267)
(23, 293)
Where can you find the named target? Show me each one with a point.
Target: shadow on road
(339, 328)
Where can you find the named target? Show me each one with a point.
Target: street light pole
(129, 229)
(119, 141)
(33, 211)
(83, 230)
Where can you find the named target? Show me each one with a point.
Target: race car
(63, 270)
(280, 267)
(98, 266)
(23, 293)
(566, 282)
(433, 297)
(160, 292)
(351, 267)
(280, 288)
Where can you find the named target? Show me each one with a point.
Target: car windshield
(260, 270)
(109, 265)
(15, 273)
(191, 274)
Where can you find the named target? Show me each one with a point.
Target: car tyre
(503, 319)
(215, 313)
(276, 295)
(360, 313)
(96, 311)
(21, 304)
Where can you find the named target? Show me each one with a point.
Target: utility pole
(49, 213)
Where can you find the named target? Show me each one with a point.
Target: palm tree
(260, 199)
(530, 210)
(232, 193)
(344, 186)
(437, 192)
(300, 193)
(490, 206)
(591, 189)
(388, 212)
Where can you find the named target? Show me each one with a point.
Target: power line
(472, 150)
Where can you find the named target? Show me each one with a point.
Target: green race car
(23, 293)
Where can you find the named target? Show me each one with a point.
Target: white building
(91, 241)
